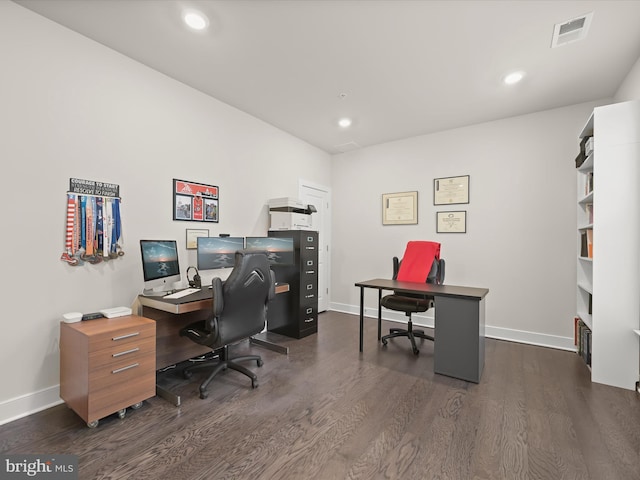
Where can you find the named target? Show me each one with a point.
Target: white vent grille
(347, 147)
(571, 31)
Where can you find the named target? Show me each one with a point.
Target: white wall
(521, 220)
(73, 108)
(630, 88)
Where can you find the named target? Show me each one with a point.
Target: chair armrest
(218, 297)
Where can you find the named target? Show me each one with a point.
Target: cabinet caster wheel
(260, 362)
(136, 406)
(122, 413)
(93, 424)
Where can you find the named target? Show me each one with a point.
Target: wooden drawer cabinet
(107, 365)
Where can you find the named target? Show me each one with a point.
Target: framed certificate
(192, 236)
(400, 208)
(451, 190)
(451, 222)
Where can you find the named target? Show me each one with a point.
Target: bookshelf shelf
(608, 218)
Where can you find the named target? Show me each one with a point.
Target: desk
(459, 324)
(171, 315)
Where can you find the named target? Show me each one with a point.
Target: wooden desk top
(425, 288)
(201, 300)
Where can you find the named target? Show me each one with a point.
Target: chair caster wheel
(204, 395)
(254, 384)
(122, 413)
(187, 374)
(136, 406)
(260, 362)
(416, 351)
(93, 424)
(384, 342)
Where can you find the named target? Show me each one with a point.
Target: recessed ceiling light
(344, 122)
(513, 78)
(195, 20)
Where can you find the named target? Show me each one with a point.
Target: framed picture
(192, 237)
(451, 222)
(400, 208)
(195, 202)
(451, 190)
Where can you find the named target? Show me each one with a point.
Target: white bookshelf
(612, 275)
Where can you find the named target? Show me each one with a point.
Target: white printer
(290, 214)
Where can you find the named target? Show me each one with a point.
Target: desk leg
(379, 314)
(263, 340)
(459, 333)
(168, 395)
(361, 315)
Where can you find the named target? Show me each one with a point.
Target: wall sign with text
(195, 202)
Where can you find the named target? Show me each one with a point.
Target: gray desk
(459, 324)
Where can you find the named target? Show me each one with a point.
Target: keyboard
(182, 293)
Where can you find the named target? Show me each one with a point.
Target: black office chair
(239, 312)
(410, 303)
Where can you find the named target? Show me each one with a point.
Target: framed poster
(192, 237)
(451, 190)
(195, 202)
(451, 222)
(400, 208)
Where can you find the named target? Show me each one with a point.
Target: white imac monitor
(160, 265)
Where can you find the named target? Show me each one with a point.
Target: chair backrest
(421, 262)
(240, 303)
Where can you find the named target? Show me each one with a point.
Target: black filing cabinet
(295, 314)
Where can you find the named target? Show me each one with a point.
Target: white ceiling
(407, 67)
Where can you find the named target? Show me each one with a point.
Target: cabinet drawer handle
(309, 311)
(309, 296)
(118, 370)
(119, 354)
(122, 337)
(310, 248)
(310, 272)
(308, 320)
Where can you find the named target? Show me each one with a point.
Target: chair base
(223, 364)
(408, 332)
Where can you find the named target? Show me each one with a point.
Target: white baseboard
(25, 405)
(499, 333)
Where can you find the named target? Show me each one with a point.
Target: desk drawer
(122, 352)
(122, 337)
(124, 372)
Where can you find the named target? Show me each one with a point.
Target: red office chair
(421, 263)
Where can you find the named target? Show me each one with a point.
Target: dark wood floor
(328, 412)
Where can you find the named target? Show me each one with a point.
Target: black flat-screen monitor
(218, 252)
(160, 266)
(279, 249)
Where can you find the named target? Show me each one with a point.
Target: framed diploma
(400, 208)
(451, 222)
(451, 190)
(192, 236)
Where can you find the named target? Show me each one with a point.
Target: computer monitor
(279, 249)
(160, 267)
(218, 252)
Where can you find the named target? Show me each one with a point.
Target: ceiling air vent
(347, 147)
(571, 31)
